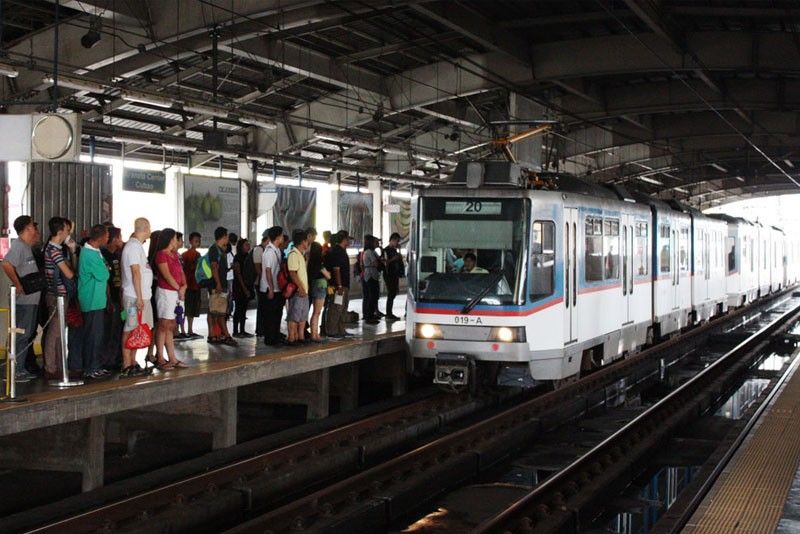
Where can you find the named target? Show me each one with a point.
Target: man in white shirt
(137, 288)
(257, 255)
(270, 292)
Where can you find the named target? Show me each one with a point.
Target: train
(560, 276)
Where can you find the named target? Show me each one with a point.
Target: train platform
(759, 489)
(66, 428)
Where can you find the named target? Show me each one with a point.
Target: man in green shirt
(93, 275)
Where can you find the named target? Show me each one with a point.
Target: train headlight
(428, 331)
(507, 334)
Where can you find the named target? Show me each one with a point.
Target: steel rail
(285, 457)
(319, 510)
(557, 502)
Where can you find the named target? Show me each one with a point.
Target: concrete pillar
(344, 384)
(72, 447)
(224, 434)
(309, 389)
(375, 187)
(391, 368)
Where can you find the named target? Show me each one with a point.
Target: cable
(700, 96)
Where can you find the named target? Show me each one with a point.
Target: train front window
(466, 245)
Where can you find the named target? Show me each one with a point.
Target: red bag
(141, 336)
(74, 317)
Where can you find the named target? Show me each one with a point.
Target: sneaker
(22, 378)
(195, 336)
(24, 374)
(94, 375)
(372, 321)
(246, 335)
(392, 317)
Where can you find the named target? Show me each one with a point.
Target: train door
(627, 267)
(570, 275)
(705, 255)
(676, 277)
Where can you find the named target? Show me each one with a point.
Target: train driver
(470, 265)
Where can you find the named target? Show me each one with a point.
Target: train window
(731, 254)
(764, 248)
(752, 256)
(543, 255)
(642, 249)
(611, 248)
(593, 254)
(664, 253)
(683, 250)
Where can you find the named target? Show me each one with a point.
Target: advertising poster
(355, 216)
(294, 208)
(400, 221)
(209, 203)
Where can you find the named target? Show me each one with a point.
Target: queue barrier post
(65, 382)
(11, 365)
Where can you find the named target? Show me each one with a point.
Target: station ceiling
(690, 99)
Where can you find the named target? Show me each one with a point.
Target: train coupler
(453, 369)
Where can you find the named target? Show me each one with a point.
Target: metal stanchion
(65, 382)
(11, 365)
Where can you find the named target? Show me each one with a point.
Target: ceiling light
(75, 83)
(719, 167)
(8, 70)
(786, 161)
(739, 178)
(129, 140)
(256, 121)
(224, 153)
(202, 109)
(144, 98)
(650, 180)
(681, 190)
(179, 146)
(92, 37)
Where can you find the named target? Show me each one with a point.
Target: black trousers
(261, 302)
(392, 288)
(372, 290)
(240, 314)
(272, 319)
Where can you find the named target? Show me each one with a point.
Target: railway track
(374, 499)
(322, 466)
(567, 501)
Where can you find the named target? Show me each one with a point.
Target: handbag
(289, 290)
(218, 304)
(141, 336)
(33, 282)
(73, 315)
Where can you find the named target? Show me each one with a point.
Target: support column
(72, 447)
(224, 434)
(344, 384)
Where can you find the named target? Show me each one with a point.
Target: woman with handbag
(60, 283)
(170, 290)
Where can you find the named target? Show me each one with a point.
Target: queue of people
(114, 289)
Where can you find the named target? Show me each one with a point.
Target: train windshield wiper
(482, 293)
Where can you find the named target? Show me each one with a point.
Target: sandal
(167, 367)
(214, 340)
(179, 365)
(230, 342)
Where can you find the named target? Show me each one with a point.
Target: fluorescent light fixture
(719, 167)
(739, 178)
(144, 98)
(258, 122)
(129, 140)
(202, 109)
(224, 153)
(75, 83)
(681, 190)
(179, 146)
(400, 194)
(320, 168)
(8, 70)
(650, 180)
(786, 161)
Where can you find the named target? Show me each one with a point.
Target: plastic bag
(141, 336)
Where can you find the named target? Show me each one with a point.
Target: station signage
(143, 181)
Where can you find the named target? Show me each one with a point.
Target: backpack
(283, 276)
(202, 272)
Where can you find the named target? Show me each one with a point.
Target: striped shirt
(52, 258)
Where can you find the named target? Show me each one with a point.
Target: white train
(567, 275)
